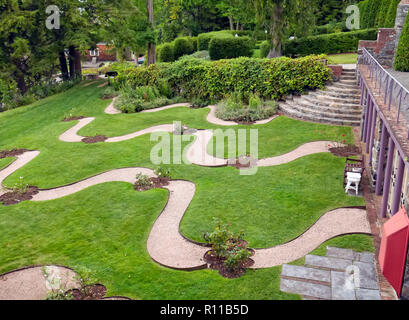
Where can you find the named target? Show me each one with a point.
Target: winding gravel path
(165, 243)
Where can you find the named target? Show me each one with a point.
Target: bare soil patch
(11, 153)
(94, 139)
(15, 197)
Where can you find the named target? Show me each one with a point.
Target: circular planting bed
(15, 197)
(219, 263)
(152, 183)
(94, 139)
(89, 292)
(243, 162)
(72, 118)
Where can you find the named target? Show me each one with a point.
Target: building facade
(385, 122)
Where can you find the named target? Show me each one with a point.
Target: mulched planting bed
(72, 118)
(155, 183)
(11, 153)
(217, 263)
(345, 151)
(90, 292)
(16, 197)
(95, 139)
(245, 163)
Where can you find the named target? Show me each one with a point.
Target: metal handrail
(395, 94)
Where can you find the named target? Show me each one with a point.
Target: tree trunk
(21, 83)
(63, 66)
(151, 46)
(237, 26)
(71, 51)
(231, 23)
(276, 47)
(75, 62)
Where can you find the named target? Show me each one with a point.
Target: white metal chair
(353, 178)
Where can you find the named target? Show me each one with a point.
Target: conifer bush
(402, 52)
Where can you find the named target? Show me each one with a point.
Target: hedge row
(214, 80)
(378, 13)
(229, 48)
(402, 52)
(328, 43)
(171, 51)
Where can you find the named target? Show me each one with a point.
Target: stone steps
(289, 110)
(326, 278)
(337, 104)
(326, 112)
(353, 107)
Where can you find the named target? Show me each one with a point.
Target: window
(94, 53)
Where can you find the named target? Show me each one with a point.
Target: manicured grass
(5, 162)
(346, 58)
(104, 228)
(358, 242)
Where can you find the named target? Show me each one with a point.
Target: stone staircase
(338, 104)
(328, 277)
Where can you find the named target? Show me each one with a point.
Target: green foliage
(235, 109)
(230, 47)
(402, 52)
(182, 46)
(109, 93)
(215, 80)
(143, 181)
(166, 53)
(328, 43)
(265, 49)
(163, 172)
(391, 15)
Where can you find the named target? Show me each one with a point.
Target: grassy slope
(107, 234)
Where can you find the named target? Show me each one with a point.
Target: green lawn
(104, 228)
(344, 58)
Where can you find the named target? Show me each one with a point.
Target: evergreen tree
(402, 53)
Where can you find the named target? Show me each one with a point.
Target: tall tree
(278, 17)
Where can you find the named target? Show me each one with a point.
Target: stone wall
(383, 49)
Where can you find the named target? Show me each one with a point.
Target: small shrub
(143, 181)
(109, 93)
(166, 53)
(233, 109)
(163, 172)
(181, 47)
(264, 49)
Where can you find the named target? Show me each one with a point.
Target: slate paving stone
(367, 257)
(306, 288)
(341, 253)
(327, 262)
(342, 286)
(366, 294)
(367, 275)
(306, 273)
(339, 287)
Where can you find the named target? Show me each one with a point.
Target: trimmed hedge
(378, 13)
(214, 80)
(328, 43)
(182, 46)
(402, 52)
(228, 48)
(165, 53)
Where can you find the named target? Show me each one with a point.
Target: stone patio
(342, 274)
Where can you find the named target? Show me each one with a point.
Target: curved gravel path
(168, 247)
(111, 108)
(35, 283)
